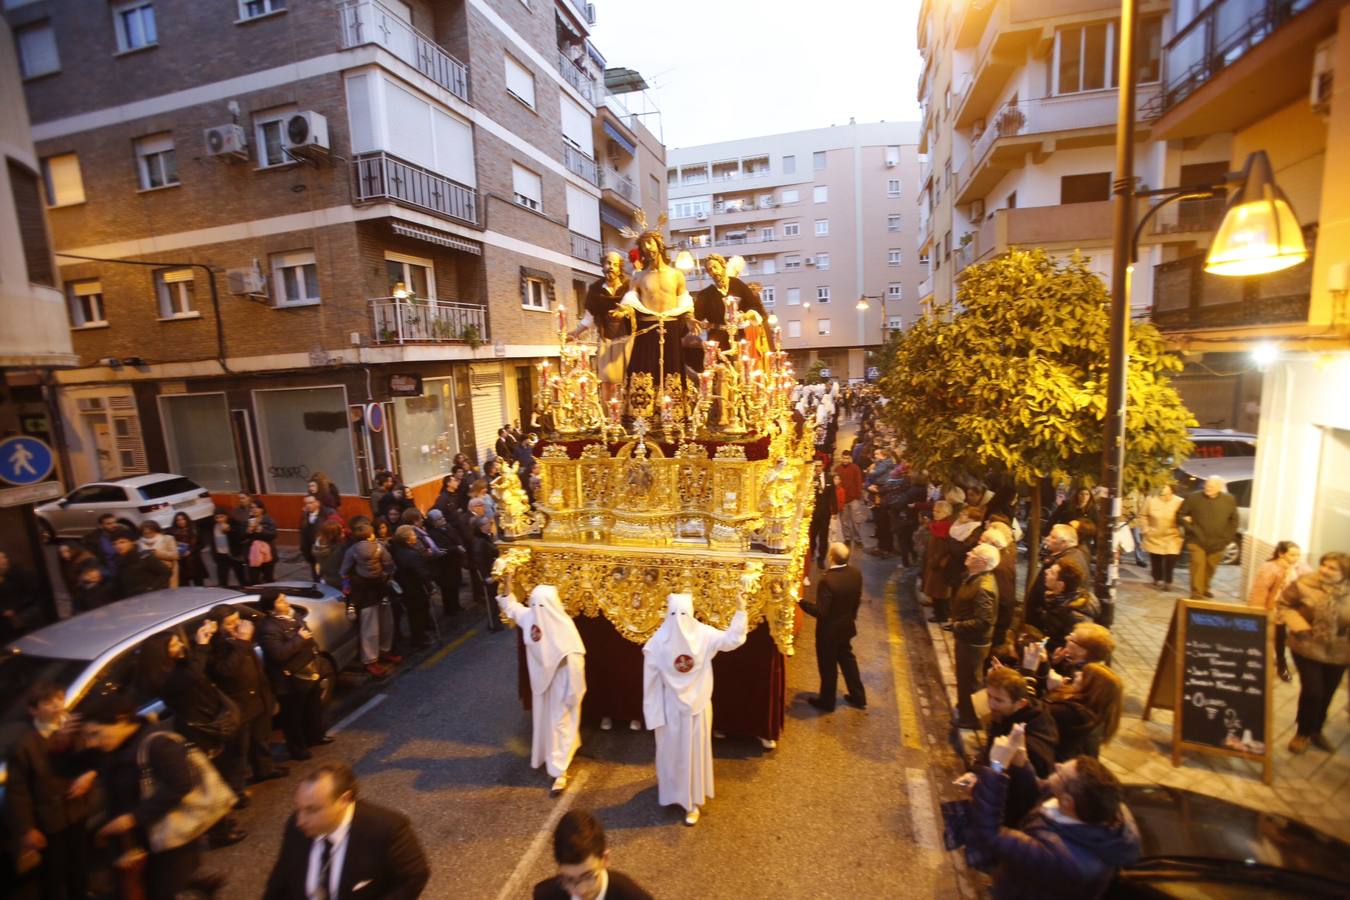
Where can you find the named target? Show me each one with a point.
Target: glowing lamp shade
(863, 305)
(1259, 232)
(684, 261)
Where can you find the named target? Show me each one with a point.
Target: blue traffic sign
(25, 460)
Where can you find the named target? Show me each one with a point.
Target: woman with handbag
(158, 790)
(292, 656)
(261, 539)
(234, 667)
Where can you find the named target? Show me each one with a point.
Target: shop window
(302, 431)
(198, 437)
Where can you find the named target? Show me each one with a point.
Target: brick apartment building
(292, 203)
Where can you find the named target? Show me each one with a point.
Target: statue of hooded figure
(677, 686)
(556, 661)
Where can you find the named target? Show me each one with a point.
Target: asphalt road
(846, 806)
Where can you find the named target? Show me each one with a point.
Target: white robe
(557, 666)
(678, 705)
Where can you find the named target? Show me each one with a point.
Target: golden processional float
(701, 486)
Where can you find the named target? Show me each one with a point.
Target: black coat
(414, 569)
(120, 777)
(382, 850)
(1041, 733)
(485, 553)
(621, 887)
(237, 671)
(285, 652)
(973, 609)
(140, 571)
(600, 303)
(189, 695)
(838, 595)
(36, 782)
(711, 307)
(309, 532)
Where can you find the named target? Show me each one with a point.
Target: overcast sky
(726, 69)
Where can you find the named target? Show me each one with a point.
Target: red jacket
(853, 479)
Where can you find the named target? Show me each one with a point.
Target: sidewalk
(1313, 788)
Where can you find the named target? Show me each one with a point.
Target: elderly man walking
(836, 612)
(1210, 519)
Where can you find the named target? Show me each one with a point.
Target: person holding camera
(291, 658)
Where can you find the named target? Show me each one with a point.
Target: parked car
(94, 654)
(132, 500)
(1194, 845)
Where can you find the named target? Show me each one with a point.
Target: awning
(615, 219)
(629, 147)
(567, 26)
(431, 235)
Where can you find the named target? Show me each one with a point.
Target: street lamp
(1259, 234)
(863, 305)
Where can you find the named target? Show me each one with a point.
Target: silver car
(132, 500)
(95, 653)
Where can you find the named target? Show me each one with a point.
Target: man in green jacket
(1210, 519)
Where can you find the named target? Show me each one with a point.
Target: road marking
(921, 809)
(446, 650)
(358, 713)
(904, 692)
(515, 885)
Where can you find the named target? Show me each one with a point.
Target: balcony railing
(1191, 216)
(579, 163)
(1218, 37)
(926, 287)
(619, 184)
(380, 176)
(585, 248)
(409, 320)
(371, 22)
(576, 77)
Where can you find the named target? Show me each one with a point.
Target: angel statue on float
(513, 504)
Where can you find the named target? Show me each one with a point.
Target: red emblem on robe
(683, 663)
(535, 633)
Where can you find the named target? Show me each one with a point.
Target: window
(822, 227)
(767, 295)
(791, 196)
(893, 223)
(820, 194)
(156, 165)
(1012, 200)
(946, 246)
(892, 155)
(36, 44)
(252, 9)
(895, 323)
(794, 329)
(792, 229)
(822, 261)
(769, 266)
(85, 299)
(134, 22)
(519, 81)
(269, 129)
(895, 291)
(535, 295)
(822, 326)
(1089, 188)
(794, 296)
(653, 188)
(684, 209)
(197, 435)
(792, 262)
(672, 176)
(426, 430)
(766, 234)
(174, 288)
(822, 295)
(818, 160)
(892, 257)
(295, 278)
(892, 187)
(923, 259)
(303, 430)
(37, 250)
(694, 174)
(62, 181)
(417, 275)
(789, 165)
(528, 187)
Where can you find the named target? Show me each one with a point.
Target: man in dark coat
(344, 843)
(1210, 519)
(313, 516)
(291, 658)
(235, 668)
(100, 543)
(614, 331)
(710, 307)
(1011, 704)
(836, 612)
(583, 864)
(138, 571)
(1060, 542)
(974, 607)
(448, 570)
(822, 486)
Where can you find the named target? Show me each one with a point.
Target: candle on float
(745, 348)
(710, 350)
(614, 407)
(733, 310)
(543, 375)
(705, 383)
(562, 317)
(665, 407)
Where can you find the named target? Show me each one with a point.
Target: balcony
(1190, 217)
(577, 77)
(1002, 49)
(579, 163)
(371, 22)
(1040, 127)
(926, 288)
(1238, 61)
(411, 320)
(1187, 299)
(613, 181)
(380, 176)
(585, 248)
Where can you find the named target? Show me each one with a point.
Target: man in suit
(836, 612)
(336, 847)
(583, 864)
(710, 308)
(821, 486)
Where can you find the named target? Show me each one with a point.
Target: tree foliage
(1010, 384)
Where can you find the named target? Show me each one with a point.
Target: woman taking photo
(1316, 612)
(1284, 567)
(1162, 536)
(1086, 711)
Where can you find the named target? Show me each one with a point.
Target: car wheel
(327, 678)
(45, 531)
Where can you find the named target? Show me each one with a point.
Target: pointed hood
(549, 634)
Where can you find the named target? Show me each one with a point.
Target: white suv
(132, 500)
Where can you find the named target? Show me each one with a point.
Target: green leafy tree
(1009, 385)
(813, 375)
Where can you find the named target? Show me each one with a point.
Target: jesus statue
(661, 306)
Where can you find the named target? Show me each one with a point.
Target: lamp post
(1259, 234)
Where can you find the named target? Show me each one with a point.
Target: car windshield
(168, 487)
(18, 673)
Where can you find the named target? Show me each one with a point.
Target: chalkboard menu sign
(1223, 686)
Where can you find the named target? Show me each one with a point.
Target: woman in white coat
(556, 660)
(163, 546)
(1162, 536)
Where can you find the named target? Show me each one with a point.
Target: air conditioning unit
(810, 260)
(590, 13)
(247, 281)
(227, 141)
(976, 210)
(307, 134)
(702, 217)
(891, 163)
(1324, 70)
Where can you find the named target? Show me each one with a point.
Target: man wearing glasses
(583, 864)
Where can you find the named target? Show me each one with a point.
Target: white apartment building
(823, 218)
